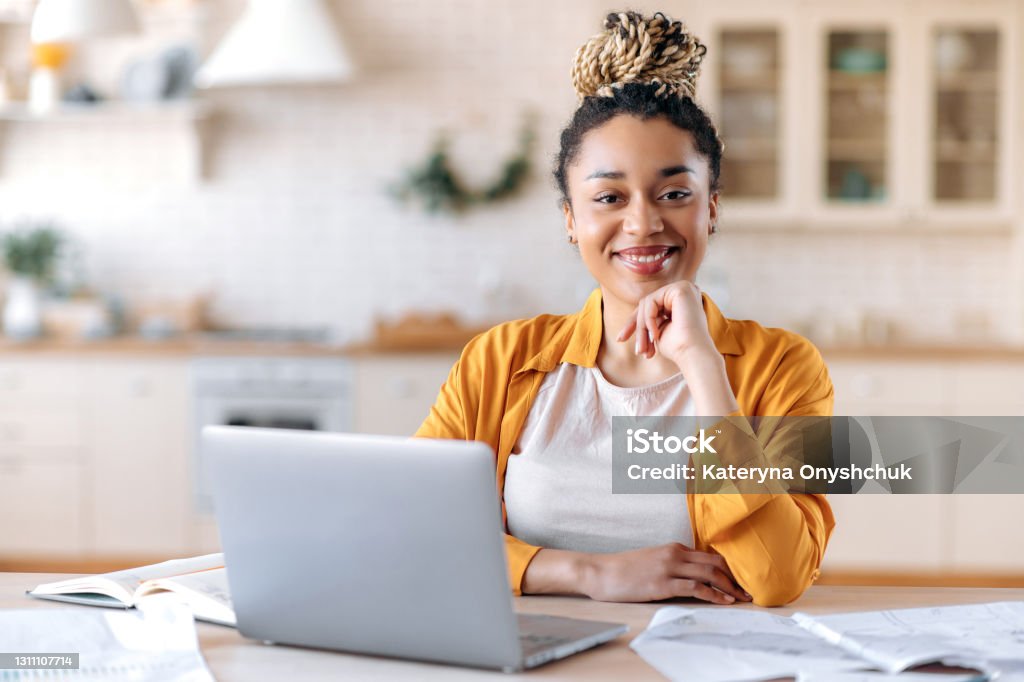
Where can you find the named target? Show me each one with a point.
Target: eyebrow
(618, 175)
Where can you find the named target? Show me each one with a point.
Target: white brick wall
(293, 225)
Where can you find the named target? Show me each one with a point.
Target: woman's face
(641, 208)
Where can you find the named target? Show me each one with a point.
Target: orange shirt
(772, 542)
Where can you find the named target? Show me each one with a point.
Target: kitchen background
(871, 202)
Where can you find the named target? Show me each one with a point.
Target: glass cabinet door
(856, 116)
(750, 101)
(966, 126)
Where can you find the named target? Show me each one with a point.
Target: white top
(558, 482)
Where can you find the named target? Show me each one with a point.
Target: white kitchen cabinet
(988, 534)
(95, 456)
(891, 533)
(878, 114)
(967, 100)
(140, 440)
(891, 387)
(41, 507)
(394, 393)
(954, 534)
(751, 65)
(42, 458)
(989, 388)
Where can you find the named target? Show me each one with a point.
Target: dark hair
(639, 100)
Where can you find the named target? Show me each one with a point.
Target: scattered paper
(714, 644)
(869, 676)
(156, 643)
(985, 636)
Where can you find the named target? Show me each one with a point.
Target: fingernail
(729, 598)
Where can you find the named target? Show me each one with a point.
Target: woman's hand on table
(641, 575)
(661, 572)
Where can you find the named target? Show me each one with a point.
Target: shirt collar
(580, 341)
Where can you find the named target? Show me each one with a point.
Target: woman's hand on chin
(662, 572)
(670, 321)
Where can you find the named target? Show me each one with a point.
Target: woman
(639, 176)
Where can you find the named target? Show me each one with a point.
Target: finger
(652, 316)
(683, 587)
(718, 562)
(641, 330)
(710, 575)
(628, 330)
(662, 323)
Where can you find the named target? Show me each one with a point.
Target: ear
(713, 213)
(570, 221)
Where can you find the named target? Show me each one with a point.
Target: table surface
(232, 657)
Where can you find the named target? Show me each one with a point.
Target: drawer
(990, 388)
(986, 532)
(889, 533)
(39, 384)
(41, 508)
(893, 387)
(50, 430)
(394, 394)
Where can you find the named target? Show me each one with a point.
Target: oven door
(323, 413)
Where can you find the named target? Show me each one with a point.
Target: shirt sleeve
(773, 541)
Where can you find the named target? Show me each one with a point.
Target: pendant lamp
(278, 42)
(61, 21)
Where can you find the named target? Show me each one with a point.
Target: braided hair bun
(637, 49)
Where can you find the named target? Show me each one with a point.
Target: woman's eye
(675, 194)
(604, 199)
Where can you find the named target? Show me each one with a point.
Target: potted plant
(30, 255)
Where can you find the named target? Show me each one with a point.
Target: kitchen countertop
(202, 345)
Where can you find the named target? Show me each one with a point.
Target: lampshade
(57, 21)
(278, 42)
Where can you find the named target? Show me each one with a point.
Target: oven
(312, 394)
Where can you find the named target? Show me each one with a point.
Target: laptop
(376, 545)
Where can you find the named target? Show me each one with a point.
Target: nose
(642, 219)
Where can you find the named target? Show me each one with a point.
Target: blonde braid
(632, 49)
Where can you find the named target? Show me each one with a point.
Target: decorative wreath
(438, 188)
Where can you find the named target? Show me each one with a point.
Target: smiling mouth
(646, 260)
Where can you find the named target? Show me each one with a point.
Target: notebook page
(128, 580)
(205, 592)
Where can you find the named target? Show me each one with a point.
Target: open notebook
(201, 582)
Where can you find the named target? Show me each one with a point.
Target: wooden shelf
(971, 81)
(957, 151)
(183, 110)
(849, 80)
(856, 150)
(752, 148)
(763, 81)
(192, 113)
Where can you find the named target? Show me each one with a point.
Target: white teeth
(645, 259)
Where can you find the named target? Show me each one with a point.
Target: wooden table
(232, 657)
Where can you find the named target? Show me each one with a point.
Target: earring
(572, 239)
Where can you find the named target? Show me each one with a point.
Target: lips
(646, 260)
